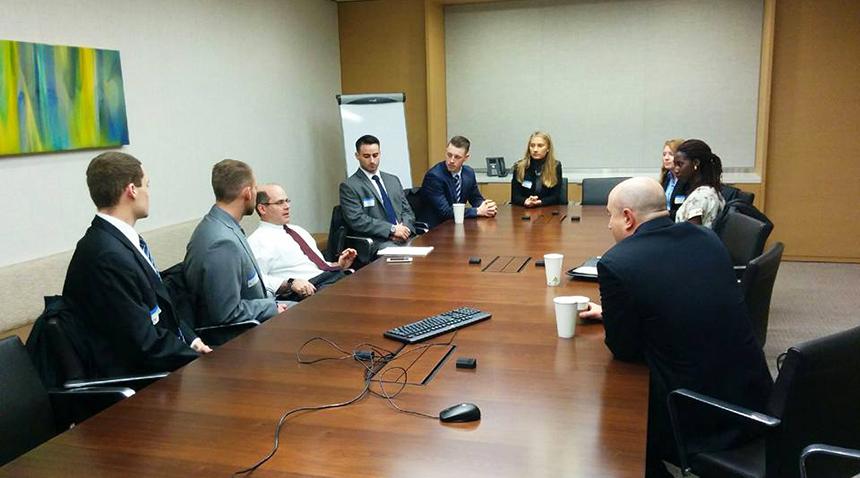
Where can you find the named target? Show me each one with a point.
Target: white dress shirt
(280, 257)
(130, 234)
(370, 177)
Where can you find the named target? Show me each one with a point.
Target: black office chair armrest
(231, 325)
(821, 449)
(214, 335)
(745, 414)
(421, 227)
(76, 405)
(135, 382)
(364, 246)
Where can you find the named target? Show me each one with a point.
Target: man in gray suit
(220, 269)
(372, 202)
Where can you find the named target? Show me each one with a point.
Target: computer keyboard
(437, 325)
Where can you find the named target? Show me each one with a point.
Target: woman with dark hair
(537, 177)
(667, 172)
(700, 169)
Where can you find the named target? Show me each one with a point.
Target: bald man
(292, 266)
(669, 297)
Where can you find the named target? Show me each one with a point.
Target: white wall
(204, 80)
(610, 80)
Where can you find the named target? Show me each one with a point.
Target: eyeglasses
(281, 202)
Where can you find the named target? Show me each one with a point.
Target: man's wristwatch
(290, 284)
(393, 228)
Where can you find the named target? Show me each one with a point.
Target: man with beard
(224, 280)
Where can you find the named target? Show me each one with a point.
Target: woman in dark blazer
(537, 177)
(667, 172)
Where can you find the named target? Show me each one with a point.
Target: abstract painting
(57, 98)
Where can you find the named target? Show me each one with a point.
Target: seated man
(291, 264)
(669, 295)
(372, 202)
(122, 310)
(450, 182)
(222, 276)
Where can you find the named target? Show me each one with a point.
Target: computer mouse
(462, 412)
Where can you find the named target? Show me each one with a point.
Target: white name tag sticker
(680, 199)
(154, 314)
(253, 279)
(527, 184)
(368, 202)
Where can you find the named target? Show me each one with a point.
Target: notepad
(587, 271)
(406, 251)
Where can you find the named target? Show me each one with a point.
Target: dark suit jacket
(670, 296)
(548, 196)
(438, 191)
(362, 207)
(112, 291)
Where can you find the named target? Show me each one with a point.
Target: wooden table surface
(550, 406)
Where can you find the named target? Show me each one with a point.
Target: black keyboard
(437, 325)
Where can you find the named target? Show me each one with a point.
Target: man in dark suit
(220, 269)
(450, 182)
(372, 202)
(120, 305)
(669, 296)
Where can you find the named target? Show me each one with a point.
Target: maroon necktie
(321, 264)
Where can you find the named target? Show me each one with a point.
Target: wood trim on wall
(763, 116)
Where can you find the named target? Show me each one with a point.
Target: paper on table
(586, 270)
(406, 251)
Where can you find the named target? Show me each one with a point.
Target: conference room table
(549, 406)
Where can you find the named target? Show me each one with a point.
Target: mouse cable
(384, 357)
(276, 444)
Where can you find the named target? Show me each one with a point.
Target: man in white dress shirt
(290, 262)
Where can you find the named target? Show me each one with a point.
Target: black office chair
(757, 284)
(814, 400)
(744, 236)
(595, 191)
(30, 414)
(826, 461)
(563, 198)
(731, 193)
(174, 281)
(340, 239)
(416, 202)
(58, 350)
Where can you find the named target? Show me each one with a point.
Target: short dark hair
(108, 175)
(460, 142)
(229, 177)
(366, 139)
(710, 166)
(262, 198)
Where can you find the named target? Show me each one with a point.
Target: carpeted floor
(811, 300)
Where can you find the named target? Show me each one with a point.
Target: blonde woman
(537, 176)
(667, 173)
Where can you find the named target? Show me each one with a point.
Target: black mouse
(462, 412)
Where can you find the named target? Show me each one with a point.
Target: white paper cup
(567, 309)
(459, 211)
(552, 266)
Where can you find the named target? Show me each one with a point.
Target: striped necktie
(458, 188)
(148, 254)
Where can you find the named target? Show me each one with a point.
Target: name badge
(368, 202)
(527, 184)
(253, 279)
(680, 199)
(154, 314)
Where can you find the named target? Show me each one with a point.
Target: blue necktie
(386, 202)
(457, 188)
(148, 255)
